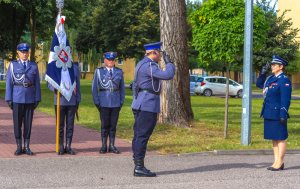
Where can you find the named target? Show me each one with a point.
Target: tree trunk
(33, 32)
(14, 34)
(226, 103)
(175, 97)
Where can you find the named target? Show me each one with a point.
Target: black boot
(68, 147)
(26, 147)
(103, 149)
(61, 146)
(19, 147)
(112, 147)
(140, 170)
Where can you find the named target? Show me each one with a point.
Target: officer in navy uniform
(23, 94)
(68, 109)
(277, 90)
(146, 101)
(108, 94)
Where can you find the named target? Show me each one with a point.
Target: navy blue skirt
(274, 130)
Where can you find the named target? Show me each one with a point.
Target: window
(120, 61)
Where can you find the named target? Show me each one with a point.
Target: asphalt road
(178, 172)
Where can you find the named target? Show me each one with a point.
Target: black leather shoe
(26, 147)
(277, 169)
(140, 170)
(61, 150)
(113, 149)
(19, 150)
(69, 150)
(143, 172)
(269, 168)
(28, 151)
(103, 150)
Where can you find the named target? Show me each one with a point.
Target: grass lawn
(205, 133)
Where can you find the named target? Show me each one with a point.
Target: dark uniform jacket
(277, 92)
(23, 85)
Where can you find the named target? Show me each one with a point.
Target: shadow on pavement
(216, 167)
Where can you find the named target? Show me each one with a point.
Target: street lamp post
(247, 72)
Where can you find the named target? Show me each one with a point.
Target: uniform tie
(24, 65)
(110, 72)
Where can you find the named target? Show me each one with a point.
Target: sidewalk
(86, 142)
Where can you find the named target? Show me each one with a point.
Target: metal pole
(247, 72)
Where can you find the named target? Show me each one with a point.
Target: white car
(216, 85)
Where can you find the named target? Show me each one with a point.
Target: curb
(236, 152)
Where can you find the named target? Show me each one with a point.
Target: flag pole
(57, 120)
(59, 5)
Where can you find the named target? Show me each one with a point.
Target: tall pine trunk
(175, 97)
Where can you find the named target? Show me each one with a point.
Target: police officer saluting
(146, 102)
(108, 95)
(23, 94)
(277, 90)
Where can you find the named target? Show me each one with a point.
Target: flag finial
(59, 5)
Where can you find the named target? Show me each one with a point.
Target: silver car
(216, 85)
(195, 81)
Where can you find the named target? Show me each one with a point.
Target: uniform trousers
(67, 116)
(143, 127)
(22, 113)
(109, 119)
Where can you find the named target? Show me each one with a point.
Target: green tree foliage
(218, 35)
(191, 6)
(122, 26)
(281, 39)
(218, 31)
(13, 23)
(35, 18)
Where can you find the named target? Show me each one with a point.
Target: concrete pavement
(175, 172)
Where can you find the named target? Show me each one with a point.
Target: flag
(60, 73)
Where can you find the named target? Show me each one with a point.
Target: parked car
(195, 81)
(216, 85)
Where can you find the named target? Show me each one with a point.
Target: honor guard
(23, 94)
(277, 90)
(68, 108)
(146, 101)
(108, 94)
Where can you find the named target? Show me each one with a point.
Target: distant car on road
(195, 81)
(216, 85)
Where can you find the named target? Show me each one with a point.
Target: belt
(149, 91)
(111, 90)
(24, 84)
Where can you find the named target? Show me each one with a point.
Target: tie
(110, 72)
(24, 65)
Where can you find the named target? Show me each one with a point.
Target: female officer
(277, 91)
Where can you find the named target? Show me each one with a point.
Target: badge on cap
(153, 46)
(23, 47)
(278, 60)
(110, 55)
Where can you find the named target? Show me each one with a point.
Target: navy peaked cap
(153, 46)
(110, 55)
(23, 47)
(278, 60)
